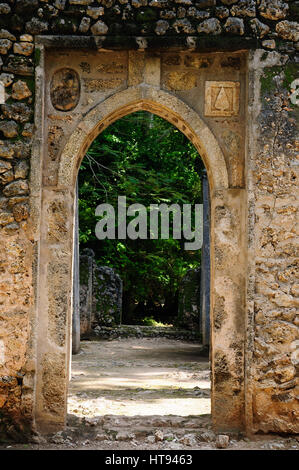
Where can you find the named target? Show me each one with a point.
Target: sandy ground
(150, 393)
(139, 377)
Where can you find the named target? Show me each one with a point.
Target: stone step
(140, 331)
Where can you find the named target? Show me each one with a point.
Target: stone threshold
(141, 331)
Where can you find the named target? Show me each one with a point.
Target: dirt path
(143, 394)
(139, 377)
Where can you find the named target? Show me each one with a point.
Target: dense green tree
(148, 160)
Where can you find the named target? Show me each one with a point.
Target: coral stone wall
(268, 26)
(275, 182)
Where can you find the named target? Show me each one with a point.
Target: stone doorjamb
(53, 209)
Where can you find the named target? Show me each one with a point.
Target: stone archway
(228, 261)
(153, 100)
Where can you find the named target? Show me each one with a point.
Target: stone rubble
(222, 441)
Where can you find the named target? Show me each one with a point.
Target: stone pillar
(55, 309)
(76, 281)
(228, 255)
(87, 313)
(205, 264)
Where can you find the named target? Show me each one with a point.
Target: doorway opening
(142, 301)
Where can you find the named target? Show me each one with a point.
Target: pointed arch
(155, 101)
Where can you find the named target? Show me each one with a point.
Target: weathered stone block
(99, 28)
(222, 441)
(4, 166)
(181, 80)
(244, 8)
(9, 129)
(189, 300)
(161, 27)
(4, 34)
(7, 177)
(288, 30)
(95, 12)
(234, 26)
(210, 26)
(84, 25)
(222, 12)
(36, 26)
(28, 130)
(4, 9)
(18, 111)
(53, 382)
(23, 48)
(5, 45)
(26, 38)
(20, 90)
(107, 288)
(16, 188)
(57, 228)
(94, 85)
(184, 26)
(6, 218)
(259, 28)
(6, 79)
(273, 9)
(21, 212)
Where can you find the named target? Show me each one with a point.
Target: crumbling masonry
(222, 72)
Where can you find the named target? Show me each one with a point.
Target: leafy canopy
(148, 160)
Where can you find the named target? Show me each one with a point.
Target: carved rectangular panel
(222, 98)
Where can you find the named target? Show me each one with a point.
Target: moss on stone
(290, 73)
(31, 84)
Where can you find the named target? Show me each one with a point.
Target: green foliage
(290, 73)
(146, 159)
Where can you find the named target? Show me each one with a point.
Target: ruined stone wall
(203, 25)
(275, 183)
(100, 295)
(189, 300)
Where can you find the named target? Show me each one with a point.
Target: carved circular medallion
(65, 89)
